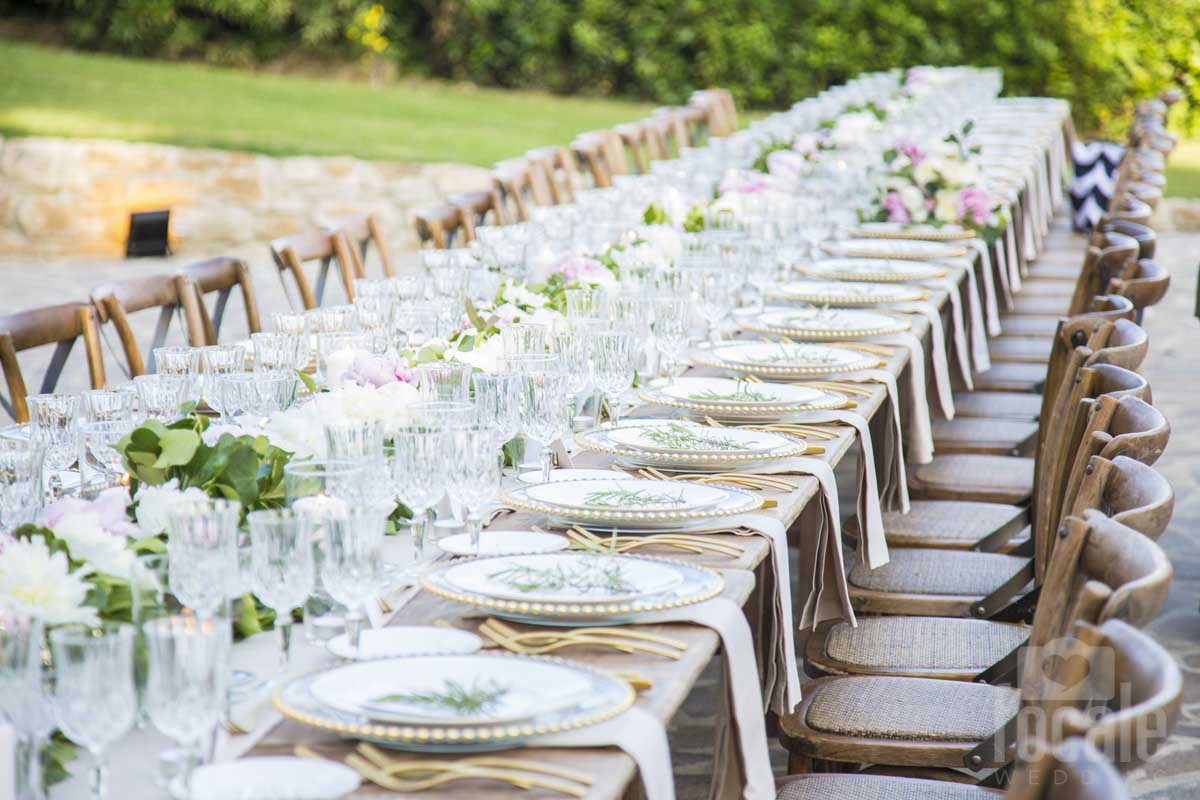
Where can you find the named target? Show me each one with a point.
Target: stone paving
(1172, 367)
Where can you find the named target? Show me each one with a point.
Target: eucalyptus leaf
(177, 448)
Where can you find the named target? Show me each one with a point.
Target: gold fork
(381, 759)
(627, 632)
(524, 644)
(621, 544)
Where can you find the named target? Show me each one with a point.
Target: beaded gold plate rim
(855, 300)
(707, 459)
(658, 398)
(817, 334)
(877, 277)
(898, 255)
(460, 735)
(934, 235)
(598, 609)
(794, 371)
(750, 503)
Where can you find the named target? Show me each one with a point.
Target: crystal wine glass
(351, 556)
(160, 397)
(612, 367)
(202, 548)
(52, 422)
(100, 463)
(94, 699)
(474, 474)
(20, 482)
(445, 382)
(22, 698)
(545, 411)
(282, 569)
(417, 468)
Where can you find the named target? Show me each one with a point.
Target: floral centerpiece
(936, 189)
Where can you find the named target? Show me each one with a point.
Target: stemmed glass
(220, 359)
(180, 361)
(498, 404)
(522, 338)
(22, 697)
(52, 423)
(282, 568)
(545, 410)
(573, 349)
(672, 329)
(202, 551)
(361, 442)
(351, 555)
(612, 367)
(20, 482)
(279, 352)
(100, 463)
(474, 474)
(716, 289)
(94, 699)
(444, 382)
(185, 682)
(417, 465)
(161, 396)
(102, 405)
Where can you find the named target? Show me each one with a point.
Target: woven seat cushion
(911, 709)
(1015, 325)
(916, 570)
(967, 476)
(878, 787)
(946, 523)
(1011, 376)
(1033, 349)
(980, 435)
(917, 643)
(1023, 406)
(1038, 304)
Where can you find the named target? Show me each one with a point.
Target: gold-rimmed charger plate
(824, 324)
(922, 232)
(904, 249)
(875, 270)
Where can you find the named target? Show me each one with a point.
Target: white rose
(154, 502)
(946, 206)
(925, 172)
(485, 356)
(35, 581)
(298, 430)
(913, 199)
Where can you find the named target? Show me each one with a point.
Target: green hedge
(1098, 53)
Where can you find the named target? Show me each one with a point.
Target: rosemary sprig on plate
(680, 437)
(477, 699)
(741, 394)
(792, 354)
(601, 575)
(626, 498)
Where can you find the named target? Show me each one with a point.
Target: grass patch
(1183, 170)
(53, 92)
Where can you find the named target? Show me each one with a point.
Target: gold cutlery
(636, 680)
(744, 480)
(841, 386)
(586, 540)
(538, 643)
(628, 632)
(793, 428)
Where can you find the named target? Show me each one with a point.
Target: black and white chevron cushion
(1095, 164)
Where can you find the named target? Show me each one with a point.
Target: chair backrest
(1073, 427)
(522, 184)
(62, 325)
(442, 226)
(1074, 770)
(479, 208)
(1113, 257)
(674, 126)
(115, 302)
(560, 166)
(218, 276)
(1144, 235)
(1144, 286)
(635, 145)
(1113, 685)
(603, 155)
(361, 231)
(1129, 491)
(328, 248)
(722, 114)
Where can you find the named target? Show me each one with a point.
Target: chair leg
(800, 765)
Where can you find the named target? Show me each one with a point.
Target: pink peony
(109, 508)
(894, 206)
(743, 182)
(914, 153)
(975, 203)
(373, 370)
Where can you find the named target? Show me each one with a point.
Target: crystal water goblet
(417, 464)
(498, 404)
(22, 697)
(100, 463)
(220, 359)
(52, 423)
(278, 352)
(94, 699)
(176, 361)
(21, 469)
(613, 365)
(474, 474)
(100, 405)
(546, 411)
(445, 381)
(187, 671)
(351, 561)
(161, 397)
(282, 569)
(672, 329)
(522, 338)
(202, 551)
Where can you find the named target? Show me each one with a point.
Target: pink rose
(109, 508)
(743, 182)
(894, 206)
(975, 203)
(911, 151)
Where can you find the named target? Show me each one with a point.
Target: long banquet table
(134, 759)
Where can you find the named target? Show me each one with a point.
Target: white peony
(153, 504)
(485, 356)
(88, 541)
(298, 430)
(914, 201)
(946, 206)
(927, 171)
(521, 295)
(339, 363)
(35, 581)
(662, 241)
(852, 129)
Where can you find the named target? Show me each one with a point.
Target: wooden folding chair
(603, 154)
(443, 226)
(1124, 559)
(522, 184)
(635, 145)
(362, 231)
(219, 276)
(115, 302)
(61, 325)
(722, 113)
(559, 164)
(479, 208)
(327, 248)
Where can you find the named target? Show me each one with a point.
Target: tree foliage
(1097, 53)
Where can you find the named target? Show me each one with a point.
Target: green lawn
(1183, 170)
(51, 92)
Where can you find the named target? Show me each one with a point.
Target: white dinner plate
(563, 578)
(535, 476)
(825, 322)
(871, 269)
(897, 230)
(841, 293)
(412, 690)
(894, 248)
(272, 778)
(405, 640)
(677, 436)
(504, 543)
(625, 494)
(792, 356)
(729, 391)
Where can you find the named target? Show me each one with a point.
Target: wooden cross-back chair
(929, 578)
(442, 226)
(1107, 253)
(61, 325)
(479, 208)
(1074, 770)
(675, 127)
(328, 249)
(1120, 564)
(220, 277)
(560, 166)
(115, 302)
(361, 232)
(522, 184)
(635, 145)
(722, 113)
(931, 724)
(602, 153)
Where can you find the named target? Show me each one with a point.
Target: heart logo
(1067, 672)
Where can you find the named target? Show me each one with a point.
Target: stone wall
(73, 197)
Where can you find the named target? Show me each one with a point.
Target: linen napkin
(991, 307)
(962, 343)
(745, 703)
(937, 337)
(973, 316)
(916, 358)
(919, 435)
